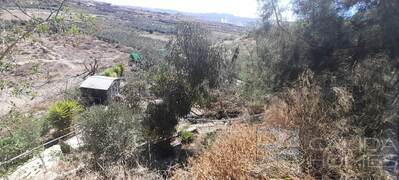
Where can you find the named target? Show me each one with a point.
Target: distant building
(99, 89)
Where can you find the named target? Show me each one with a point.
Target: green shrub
(45, 125)
(74, 30)
(62, 114)
(73, 94)
(4, 66)
(159, 126)
(195, 57)
(176, 93)
(116, 71)
(160, 122)
(23, 88)
(114, 74)
(134, 90)
(19, 134)
(43, 28)
(119, 69)
(4, 84)
(65, 148)
(12, 146)
(108, 72)
(111, 133)
(186, 136)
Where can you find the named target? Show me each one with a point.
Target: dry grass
(324, 132)
(304, 109)
(328, 143)
(237, 154)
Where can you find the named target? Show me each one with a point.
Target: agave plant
(62, 113)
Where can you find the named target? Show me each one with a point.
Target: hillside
(155, 20)
(212, 17)
(132, 29)
(89, 90)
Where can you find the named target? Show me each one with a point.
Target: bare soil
(46, 68)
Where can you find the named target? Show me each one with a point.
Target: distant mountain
(213, 17)
(224, 18)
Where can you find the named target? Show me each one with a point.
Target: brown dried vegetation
(237, 154)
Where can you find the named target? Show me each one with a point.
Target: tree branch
(22, 10)
(59, 8)
(9, 48)
(26, 34)
(11, 13)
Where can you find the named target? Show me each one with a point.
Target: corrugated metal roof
(98, 82)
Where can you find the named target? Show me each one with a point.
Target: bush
(323, 120)
(119, 69)
(186, 136)
(134, 90)
(11, 146)
(74, 30)
(44, 124)
(175, 93)
(19, 134)
(65, 148)
(73, 94)
(4, 66)
(110, 73)
(111, 133)
(194, 65)
(353, 89)
(160, 122)
(116, 71)
(195, 58)
(62, 114)
(177, 101)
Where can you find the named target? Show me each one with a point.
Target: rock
(176, 143)
(192, 129)
(196, 112)
(41, 167)
(75, 142)
(37, 168)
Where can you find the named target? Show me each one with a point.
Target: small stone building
(99, 89)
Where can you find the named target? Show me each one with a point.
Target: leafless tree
(90, 68)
